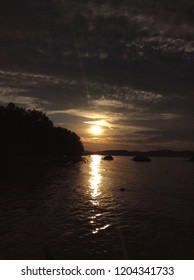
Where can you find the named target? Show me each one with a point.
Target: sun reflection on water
(95, 178)
(95, 182)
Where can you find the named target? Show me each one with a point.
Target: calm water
(80, 212)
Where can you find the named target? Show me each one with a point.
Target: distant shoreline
(157, 153)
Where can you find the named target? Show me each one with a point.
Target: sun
(96, 130)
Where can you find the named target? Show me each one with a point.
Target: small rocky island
(141, 158)
(108, 157)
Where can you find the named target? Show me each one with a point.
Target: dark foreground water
(116, 209)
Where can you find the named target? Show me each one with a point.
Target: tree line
(30, 133)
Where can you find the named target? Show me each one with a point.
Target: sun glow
(96, 130)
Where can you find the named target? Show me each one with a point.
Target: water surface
(116, 209)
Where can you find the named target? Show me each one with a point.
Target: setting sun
(96, 130)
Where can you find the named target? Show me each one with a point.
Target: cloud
(99, 122)
(8, 95)
(129, 63)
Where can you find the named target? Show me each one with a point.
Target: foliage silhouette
(30, 133)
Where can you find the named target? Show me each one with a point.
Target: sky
(125, 66)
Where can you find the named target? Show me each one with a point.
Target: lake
(117, 209)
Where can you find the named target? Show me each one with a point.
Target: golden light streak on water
(95, 178)
(100, 228)
(95, 182)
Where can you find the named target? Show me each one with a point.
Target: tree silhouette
(30, 133)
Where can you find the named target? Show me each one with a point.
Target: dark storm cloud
(130, 60)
